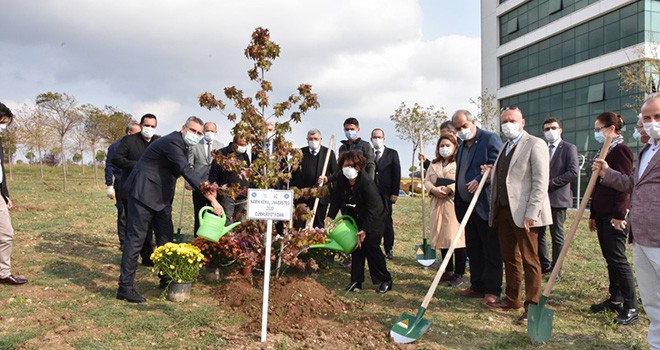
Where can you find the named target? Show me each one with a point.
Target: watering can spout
(332, 245)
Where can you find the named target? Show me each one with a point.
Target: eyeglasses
(513, 108)
(196, 132)
(601, 128)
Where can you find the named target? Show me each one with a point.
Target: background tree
(639, 79)
(62, 115)
(488, 112)
(111, 124)
(100, 156)
(410, 123)
(33, 133)
(30, 157)
(52, 157)
(78, 141)
(9, 145)
(77, 158)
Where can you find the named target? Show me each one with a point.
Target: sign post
(268, 205)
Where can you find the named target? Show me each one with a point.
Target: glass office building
(562, 58)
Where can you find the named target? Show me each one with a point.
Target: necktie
(377, 156)
(551, 149)
(509, 146)
(208, 152)
(313, 153)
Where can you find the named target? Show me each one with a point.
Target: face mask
(148, 132)
(350, 134)
(349, 172)
(637, 136)
(465, 134)
(314, 145)
(598, 135)
(191, 138)
(378, 143)
(3, 127)
(551, 135)
(446, 151)
(209, 136)
(241, 149)
(511, 130)
(652, 129)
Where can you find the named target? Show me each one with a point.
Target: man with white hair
(644, 184)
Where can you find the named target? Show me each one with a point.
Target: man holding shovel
(644, 184)
(519, 204)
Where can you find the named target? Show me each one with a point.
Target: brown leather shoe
(14, 280)
(488, 299)
(522, 320)
(469, 293)
(502, 305)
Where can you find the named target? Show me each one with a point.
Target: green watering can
(344, 236)
(211, 226)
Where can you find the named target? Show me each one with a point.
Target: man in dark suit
(563, 171)
(6, 229)
(200, 157)
(126, 156)
(355, 143)
(113, 181)
(388, 179)
(234, 206)
(150, 189)
(478, 147)
(311, 168)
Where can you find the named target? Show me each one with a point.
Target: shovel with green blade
(409, 328)
(539, 319)
(424, 253)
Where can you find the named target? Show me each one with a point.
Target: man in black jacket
(233, 206)
(6, 229)
(128, 153)
(355, 143)
(150, 189)
(388, 179)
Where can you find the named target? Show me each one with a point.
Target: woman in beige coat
(439, 182)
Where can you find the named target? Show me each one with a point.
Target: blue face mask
(191, 139)
(598, 135)
(350, 134)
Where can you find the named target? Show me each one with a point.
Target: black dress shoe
(627, 317)
(389, 254)
(354, 287)
(607, 305)
(130, 295)
(14, 280)
(384, 287)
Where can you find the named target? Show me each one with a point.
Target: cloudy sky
(363, 58)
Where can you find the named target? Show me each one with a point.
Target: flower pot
(246, 271)
(211, 274)
(178, 292)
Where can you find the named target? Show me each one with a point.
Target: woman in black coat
(356, 194)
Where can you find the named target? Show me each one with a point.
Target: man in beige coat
(519, 204)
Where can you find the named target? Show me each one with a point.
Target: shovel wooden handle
(454, 241)
(421, 174)
(310, 221)
(576, 221)
(183, 198)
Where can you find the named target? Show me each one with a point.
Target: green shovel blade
(409, 328)
(539, 322)
(425, 254)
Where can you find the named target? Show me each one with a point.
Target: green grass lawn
(66, 244)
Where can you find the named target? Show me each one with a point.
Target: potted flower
(180, 263)
(217, 255)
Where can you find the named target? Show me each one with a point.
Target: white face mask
(511, 130)
(551, 135)
(652, 129)
(350, 173)
(148, 132)
(241, 149)
(637, 136)
(599, 136)
(446, 151)
(378, 143)
(209, 136)
(465, 134)
(314, 145)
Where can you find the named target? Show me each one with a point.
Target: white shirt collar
(556, 143)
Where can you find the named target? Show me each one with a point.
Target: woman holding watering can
(439, 182)
(609, 209)
(356, 194)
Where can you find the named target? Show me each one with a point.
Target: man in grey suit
(563, 171)
(644, 184)
(150, 191)
(200, 157)
(519, 204)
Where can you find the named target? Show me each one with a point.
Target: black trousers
(613, 246)
(148, 246)
(121, 213)
(483, 249)
(199, 201)
(388, 235)
(557, 236)
(457, 260)
(139, 219)
(374, 255)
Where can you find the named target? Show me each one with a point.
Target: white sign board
(269, 204)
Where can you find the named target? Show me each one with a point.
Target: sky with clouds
(363, 58)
